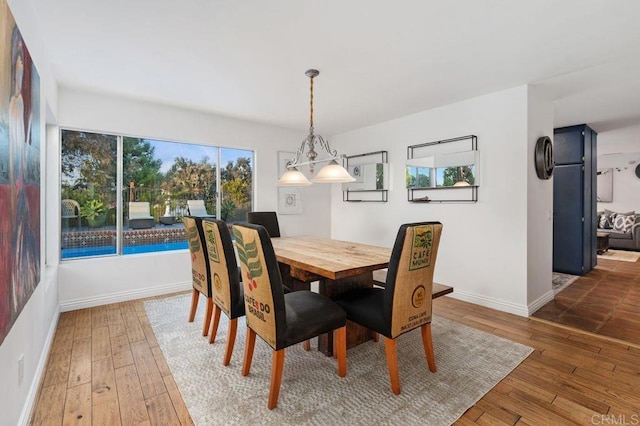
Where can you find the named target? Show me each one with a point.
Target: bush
(92, 209)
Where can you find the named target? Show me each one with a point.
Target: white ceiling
(378, 59)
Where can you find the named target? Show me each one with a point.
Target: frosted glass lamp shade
(333, 173)
(293, 177)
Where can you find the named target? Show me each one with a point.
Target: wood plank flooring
(605, 301)
(105, 368)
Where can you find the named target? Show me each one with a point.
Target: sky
(168, 151)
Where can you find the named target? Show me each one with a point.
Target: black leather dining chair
(226, 285)
(281, 319)
(200, 274)
(405, 302)
(267, 219)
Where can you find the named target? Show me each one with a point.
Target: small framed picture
(289, 201)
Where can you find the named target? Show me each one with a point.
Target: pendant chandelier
(333, 172)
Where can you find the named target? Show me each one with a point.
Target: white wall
(485, 247)
(626, 186)
(33, 330)
(93, 282)
(539, 203)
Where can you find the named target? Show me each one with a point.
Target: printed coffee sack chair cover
(407, 299)
(281, 319)
(226, 288)
(200, 274)
(405, 302)
(264, 294)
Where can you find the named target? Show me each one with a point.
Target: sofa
(623, 229)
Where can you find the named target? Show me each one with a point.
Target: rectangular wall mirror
(604, 184)
(371, 171)
(443, 171)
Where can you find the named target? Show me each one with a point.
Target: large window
(126, 195)
(88, 192)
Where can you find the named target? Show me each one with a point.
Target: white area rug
(562, 281)
(624, 256)
(469, 362)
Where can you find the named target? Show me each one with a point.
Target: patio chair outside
(139, 215)
(71, 210)
(197, 208)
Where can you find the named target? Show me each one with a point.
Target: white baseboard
(541, 301)
(105, 299)
(30, 400)
(489, 302)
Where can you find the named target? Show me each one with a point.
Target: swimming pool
(72, 253)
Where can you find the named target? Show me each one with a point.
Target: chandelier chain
(311, 103)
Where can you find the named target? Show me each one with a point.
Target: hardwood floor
(105, 367)
(605, 301)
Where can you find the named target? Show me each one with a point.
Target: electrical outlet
(20, 369)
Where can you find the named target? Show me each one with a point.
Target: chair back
(197, 208)
(262, 283)
(225, 283)
(70, 209)
(267, 219)
(407, 298)
(200, 275)
(139, 210)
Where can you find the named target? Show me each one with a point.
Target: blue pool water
(104, 250)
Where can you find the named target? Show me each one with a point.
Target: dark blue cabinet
(568, 145)
(574, 200)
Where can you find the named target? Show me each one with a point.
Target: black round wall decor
(638, 171)
(544, 157)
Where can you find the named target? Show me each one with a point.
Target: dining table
(337, 265)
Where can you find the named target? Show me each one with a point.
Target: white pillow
(623, 222)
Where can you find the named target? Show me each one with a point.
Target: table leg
(291, 282)
(603, 243)
(356, 334)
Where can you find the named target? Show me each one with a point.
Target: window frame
(120, 188)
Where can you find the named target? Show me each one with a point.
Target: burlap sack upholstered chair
(281, 319)
(270, 222)
(200, 274)
(228, 296)
(405, 302)
(267, 219)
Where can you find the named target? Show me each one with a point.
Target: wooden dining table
(337, 265)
